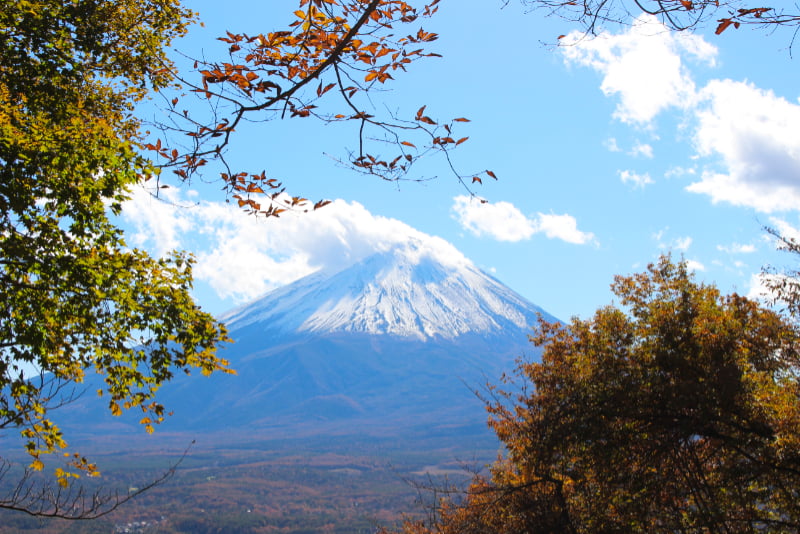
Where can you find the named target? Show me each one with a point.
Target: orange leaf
(406, 143)
(476, 179)
(322, 90)
(461, 119)
(723, 25)
(490, 173)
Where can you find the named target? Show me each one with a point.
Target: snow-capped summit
(411, 290)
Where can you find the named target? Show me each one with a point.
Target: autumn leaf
(723, 25)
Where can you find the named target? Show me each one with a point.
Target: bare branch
(40, 497)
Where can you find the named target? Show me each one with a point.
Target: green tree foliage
(679, 412)
(73, 297)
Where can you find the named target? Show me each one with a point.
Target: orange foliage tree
(678, 413)
(332, 48)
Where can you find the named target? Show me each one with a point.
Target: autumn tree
(677, 412)
(679, 15)
(75, 299)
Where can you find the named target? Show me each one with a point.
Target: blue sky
(609, 151)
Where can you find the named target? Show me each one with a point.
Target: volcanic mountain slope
(398, 341)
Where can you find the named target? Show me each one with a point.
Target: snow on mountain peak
(415, 289)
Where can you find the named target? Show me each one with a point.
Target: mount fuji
(408, 291)
(396, 343)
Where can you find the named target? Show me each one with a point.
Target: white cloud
(747, 139)
(695, 265)
(757, 136)
(638, 180)
(611, 145)
(563, 227)
(160, 218)
(737, 248)
(505, 222)
(499, 220)
(642, 149)
(242, 256)
(642, 66)
(679, 172)
(681, 244)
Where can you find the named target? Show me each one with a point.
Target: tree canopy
(677, 412)
(74, 297)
